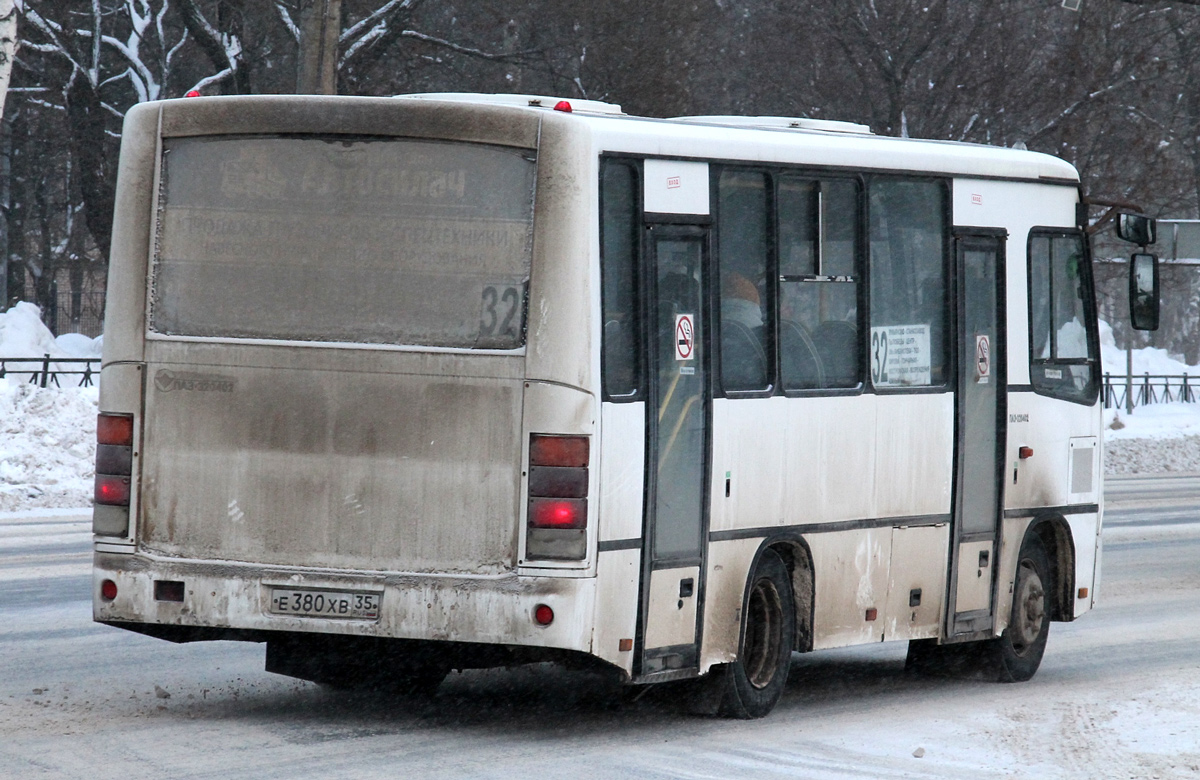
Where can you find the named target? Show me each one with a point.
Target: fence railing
(1149, 389)
(45, 370)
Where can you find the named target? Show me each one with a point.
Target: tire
(1018, 651)
(752, 685)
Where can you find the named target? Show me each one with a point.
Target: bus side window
(742, 233)
(908, 282)
(619, 269)
(818, 288)
(1063, 362)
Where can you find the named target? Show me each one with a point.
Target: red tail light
(112, 490)
(558, 488)
(558, 450)
(558, 513)
(108, 589)
(114, 429)
(543, 615)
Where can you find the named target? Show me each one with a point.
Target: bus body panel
(133, 226)
(553, 408)
(403, 462)
(622, 451)
(1017, 207)
(850, 586)
(562, 339)
(614, 622)
(729, 561)
(495, 610)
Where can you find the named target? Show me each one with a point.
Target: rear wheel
(1016, 654)
(752, 685)
(1019, 650)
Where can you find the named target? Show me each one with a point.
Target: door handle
(687, 587)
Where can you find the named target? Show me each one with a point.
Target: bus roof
(765, 140)
(796, 140)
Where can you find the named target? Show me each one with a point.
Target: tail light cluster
(558, 488)
(114, 472)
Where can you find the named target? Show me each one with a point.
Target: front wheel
(752, 685)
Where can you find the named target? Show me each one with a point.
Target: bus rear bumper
(227, 600)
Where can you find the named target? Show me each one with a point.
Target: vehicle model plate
(355, 605)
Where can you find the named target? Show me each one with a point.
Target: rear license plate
(326, 603)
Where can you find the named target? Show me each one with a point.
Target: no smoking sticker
(685, 336)
(983, 358)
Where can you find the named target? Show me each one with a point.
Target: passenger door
(677, 431)
(980, 432)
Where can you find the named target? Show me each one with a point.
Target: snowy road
(1118, 695)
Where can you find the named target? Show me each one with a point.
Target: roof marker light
(192, 93)
(563, 106)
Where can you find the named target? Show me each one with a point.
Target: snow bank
(1155, 438)
(47, 435)
(47, 445)
(22, 334)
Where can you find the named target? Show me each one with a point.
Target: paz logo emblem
(167, 381)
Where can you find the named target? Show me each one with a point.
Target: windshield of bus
(336, 239)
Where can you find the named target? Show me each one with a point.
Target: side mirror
(1137, 229)
(1143, 291)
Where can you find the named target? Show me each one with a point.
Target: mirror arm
(1110, 215)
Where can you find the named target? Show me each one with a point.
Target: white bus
(405, 385)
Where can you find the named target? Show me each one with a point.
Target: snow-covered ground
(47, 435)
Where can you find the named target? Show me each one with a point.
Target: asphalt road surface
(1118, 694)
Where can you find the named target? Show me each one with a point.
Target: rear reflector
(114, 429)
(558, 513)
(558, 450)
(108, 590)
(112, 490)
(543, 615)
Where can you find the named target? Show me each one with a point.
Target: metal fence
(45, 371)
(1148, 389)
(74, 312)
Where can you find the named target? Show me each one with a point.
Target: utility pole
(320, 28)
(8, 50)
(1129, 374)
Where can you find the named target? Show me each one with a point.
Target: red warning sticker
(685, 336)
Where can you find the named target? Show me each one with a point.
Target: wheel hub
(1030, 608)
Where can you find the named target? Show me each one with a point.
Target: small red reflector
(562, 105)
(108, 589)
(114, 429)
(558, 512)
(558, 450)
(1025, 452)
(192, 93)
(543, 615)
(1083, 593)
(112, 490)
(872, 613)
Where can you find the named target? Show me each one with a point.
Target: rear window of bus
(375, 241)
